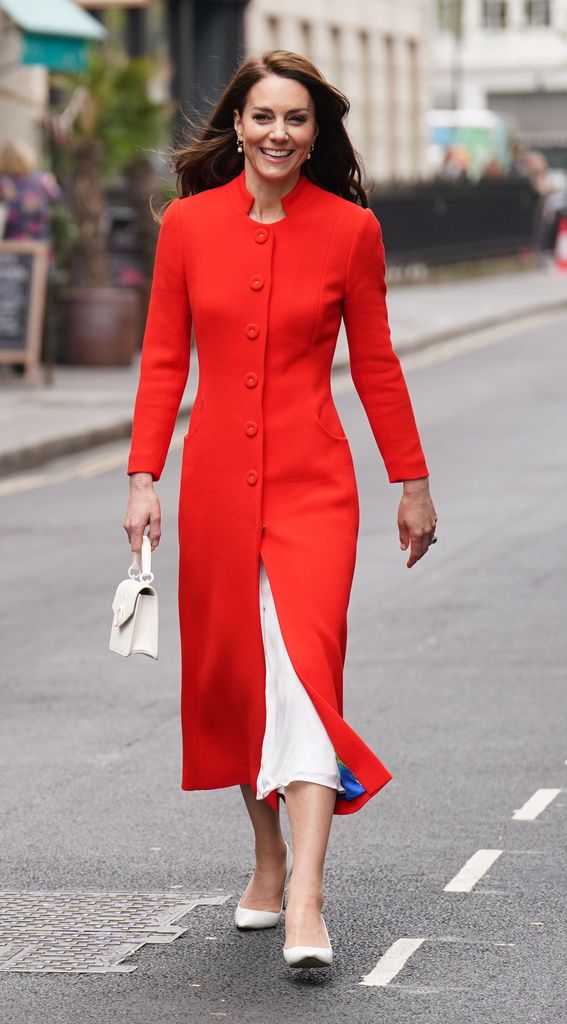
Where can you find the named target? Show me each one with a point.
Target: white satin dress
(296, 745)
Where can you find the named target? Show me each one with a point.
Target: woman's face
(277, 127)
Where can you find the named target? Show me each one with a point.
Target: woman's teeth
(276, 153)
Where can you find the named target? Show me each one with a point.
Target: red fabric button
(256, 282)
(251, 379)
(252, 330)
(251, 477)
(251, 428)
(261, 235)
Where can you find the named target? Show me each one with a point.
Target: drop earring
(238, 145)
(310, 152)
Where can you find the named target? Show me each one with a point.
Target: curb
(33, 456)
(38, 454)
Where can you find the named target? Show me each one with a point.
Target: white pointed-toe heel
(245, 918)
(310, 956)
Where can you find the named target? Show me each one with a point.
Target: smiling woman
(268, 248)
(277, 102)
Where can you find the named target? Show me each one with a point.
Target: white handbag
(135, 609)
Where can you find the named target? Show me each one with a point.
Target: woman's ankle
(270, 853)
(302, 898)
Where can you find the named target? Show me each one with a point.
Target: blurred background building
(508, 57)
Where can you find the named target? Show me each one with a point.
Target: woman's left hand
(416, 519)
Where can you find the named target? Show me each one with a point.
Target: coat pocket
(329, 421)
(196, 418)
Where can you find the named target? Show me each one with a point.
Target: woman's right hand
(143, 508)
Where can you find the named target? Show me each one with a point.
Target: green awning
(55, 33)
(58, 53)
(53, 18)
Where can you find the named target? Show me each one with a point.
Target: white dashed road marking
(535, 805)
(442, 352)
(392, 962)
(472, 871)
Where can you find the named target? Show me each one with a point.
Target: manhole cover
(88, 932)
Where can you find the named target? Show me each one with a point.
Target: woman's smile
(275, 155)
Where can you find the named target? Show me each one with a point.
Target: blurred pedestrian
(26, 193)
(538, 170)
(271, 242)
(454, 166)
(492, 170)
(519, 166)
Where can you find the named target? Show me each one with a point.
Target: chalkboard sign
(16, 271)
(23, 283)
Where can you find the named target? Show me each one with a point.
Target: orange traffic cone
(560, 253)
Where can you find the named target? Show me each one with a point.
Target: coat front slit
(296, 745)
(266, 467)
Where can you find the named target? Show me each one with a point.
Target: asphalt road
(455, 676)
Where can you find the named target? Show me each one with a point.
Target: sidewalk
(86, 406)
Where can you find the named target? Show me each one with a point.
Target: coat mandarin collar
(290, 202)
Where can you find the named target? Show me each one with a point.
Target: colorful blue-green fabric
(352, 787)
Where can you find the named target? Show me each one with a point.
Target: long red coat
(266, 466)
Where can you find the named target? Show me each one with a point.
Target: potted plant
(107, 119)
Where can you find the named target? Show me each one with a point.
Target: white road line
(446, 350)
(392, 962)
(90, 467)
(443, 351)
(472, 871)
(536, 804)
(29, 482)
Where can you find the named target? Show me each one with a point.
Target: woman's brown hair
(211, 158)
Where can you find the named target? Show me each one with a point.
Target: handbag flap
(125, 598)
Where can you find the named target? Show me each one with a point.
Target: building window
(305, 29)
(494, 14)
(273, 32)
(366, 91)
(391, 119)
(336, 55)
(538, 12)
(450, 16)
(415, 124)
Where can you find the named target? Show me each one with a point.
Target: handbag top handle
(142, 572)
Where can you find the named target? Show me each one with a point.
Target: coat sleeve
(165, 359)
(374, 365)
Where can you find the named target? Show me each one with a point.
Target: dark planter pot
(101, 326)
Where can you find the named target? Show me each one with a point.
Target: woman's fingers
(416, 549)
(142, 509)
(404, 535)
(136, 534)
(134, 524)
(155, 528)
(420, 544)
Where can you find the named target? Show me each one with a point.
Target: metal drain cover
(88, 932)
